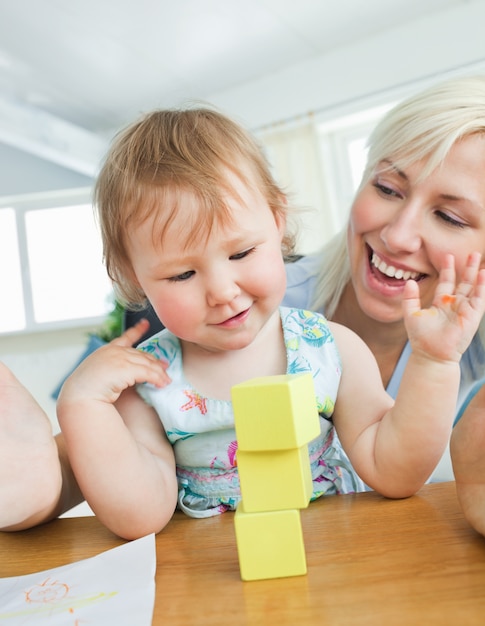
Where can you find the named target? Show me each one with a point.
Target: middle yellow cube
(274, 481)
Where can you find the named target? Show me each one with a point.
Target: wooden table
(370, 561)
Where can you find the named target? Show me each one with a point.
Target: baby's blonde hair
(171, 151)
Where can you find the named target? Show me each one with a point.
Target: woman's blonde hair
(164, 152)
(424, 128)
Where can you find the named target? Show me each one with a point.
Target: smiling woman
(408, 213)
(409, 223)
(422, 196)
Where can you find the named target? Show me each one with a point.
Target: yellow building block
(275, 412)
(276, 480)
(269, 544)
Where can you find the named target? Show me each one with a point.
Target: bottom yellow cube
(269, 544)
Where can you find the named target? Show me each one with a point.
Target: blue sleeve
(301, 277)
(469, 397)
(472, 375)
(472, 369)
(398, 372)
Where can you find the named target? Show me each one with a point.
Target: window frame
(335, 136)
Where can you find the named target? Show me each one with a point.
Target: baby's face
(218, 290)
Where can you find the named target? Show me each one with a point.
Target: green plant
(112, 325)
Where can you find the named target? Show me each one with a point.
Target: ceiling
(72, 72)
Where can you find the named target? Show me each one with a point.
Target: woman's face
(401, 227)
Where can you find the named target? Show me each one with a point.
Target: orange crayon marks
(48, 591)
(432, 311)
(448, 299)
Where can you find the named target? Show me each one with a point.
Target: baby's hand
(445, 330)
(111, 369)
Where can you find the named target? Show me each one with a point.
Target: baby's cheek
(172, 314)
(271, 282)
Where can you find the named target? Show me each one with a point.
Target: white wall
(22, 173)
(41, 360)
(392, 61)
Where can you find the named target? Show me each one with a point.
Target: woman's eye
(181, 277)
(386, 191)
(450, 220)
(241, 255)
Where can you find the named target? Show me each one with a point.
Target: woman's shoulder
(301, 277)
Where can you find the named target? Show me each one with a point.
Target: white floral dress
(201, 430)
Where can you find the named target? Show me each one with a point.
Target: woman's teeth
(391, 271)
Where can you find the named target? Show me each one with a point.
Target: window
(51, 268)
(12, 314)
(319, 163)
(51, 263)
(344, 153)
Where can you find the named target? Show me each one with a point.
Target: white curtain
(295, 156)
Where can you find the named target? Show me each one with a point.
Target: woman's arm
(31, 465)
(467, 448)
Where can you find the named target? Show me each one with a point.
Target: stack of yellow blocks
(275, 418)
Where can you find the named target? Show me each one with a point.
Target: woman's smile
(391, 271)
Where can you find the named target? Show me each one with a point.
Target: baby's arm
(395, 447)
(116, 444)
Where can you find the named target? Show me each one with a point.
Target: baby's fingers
(133, 334)
(411, 301)
(145, 368)
(471, 275)
(477, 299)
(447, 280)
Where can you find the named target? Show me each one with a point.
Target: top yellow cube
(275, 412)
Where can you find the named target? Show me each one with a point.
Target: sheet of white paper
(114, 587)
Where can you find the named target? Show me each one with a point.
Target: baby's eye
(181, 277)
(241, 255)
